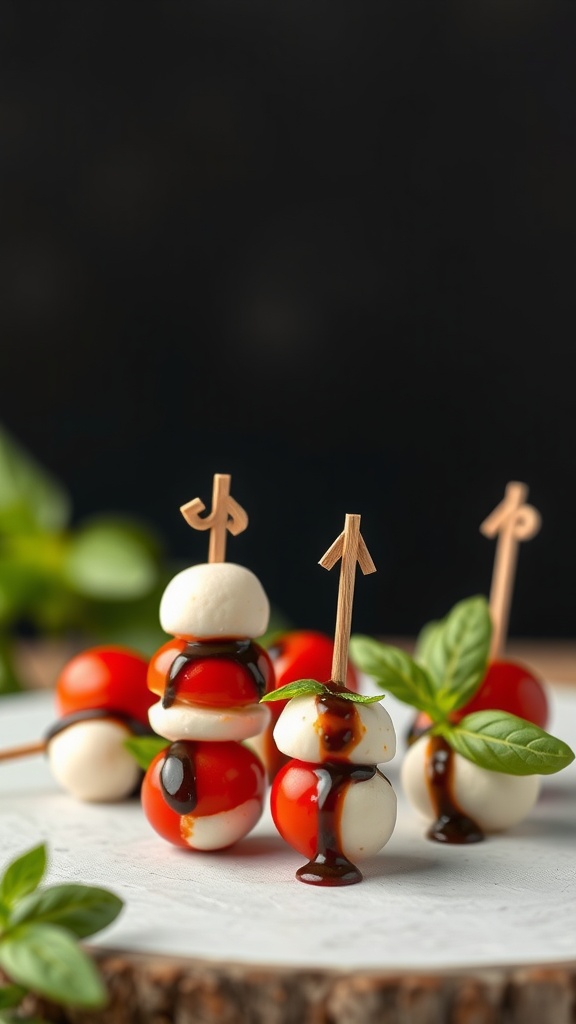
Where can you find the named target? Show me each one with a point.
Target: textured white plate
(508, 900)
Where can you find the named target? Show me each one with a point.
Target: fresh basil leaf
(11, 995)
(298, 688)
(30, 498)
(457, 652)
(82, 909)
(424, 640)
(357, 698)
(505, 743)
(49, 961)
(395, 671)
(110, 559)
(145, 748)
(23, 875)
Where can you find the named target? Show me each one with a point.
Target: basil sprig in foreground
(451, 660)
(39, 933)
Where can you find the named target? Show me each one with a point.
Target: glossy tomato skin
(227, 775)
(510, 686)
(211, 681)
(294, 806)
(112, 677)
(507, 686)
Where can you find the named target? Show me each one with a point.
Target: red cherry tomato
(294, 806)
(213, 681)
(507, 686)
(105, 677)
(227, 774)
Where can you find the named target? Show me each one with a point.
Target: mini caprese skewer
(466, 775)
(205, 790)
(331, 801)
(102, 700)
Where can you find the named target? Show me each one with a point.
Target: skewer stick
(226, 514)
(26, 750)
(512, 521)
(349, 546)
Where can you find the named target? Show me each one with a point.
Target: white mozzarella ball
(215, 599)
(298, 733)
(183, 721)
(368, 817)
(90, 762)
(494, 800)
(217, 831)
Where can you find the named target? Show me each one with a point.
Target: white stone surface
(507, 900)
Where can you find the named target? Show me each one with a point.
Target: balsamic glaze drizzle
(451, 825)
(178, 777)
(136, 727)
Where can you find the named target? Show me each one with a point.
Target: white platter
(421, 906)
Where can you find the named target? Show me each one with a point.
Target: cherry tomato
(507, 686)
(213, 681)
(105, 677)
(227, 775)
(294, 806)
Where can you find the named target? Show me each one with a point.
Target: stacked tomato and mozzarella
(206, 789)
(102, 700)
(365, 811)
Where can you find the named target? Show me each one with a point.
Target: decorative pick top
(330, 801)
(226, 514)
(511, 521)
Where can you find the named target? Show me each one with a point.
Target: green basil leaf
(457, 652)
(82, 909)
(505, 743)
(295, 689)
(145, 748)
(11, 995)
(395, 671)
(110, 559)
(424, 641)
(357, 698)
(49, 961)
(30, 498)
(23, 875)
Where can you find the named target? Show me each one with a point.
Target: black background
(328, 248)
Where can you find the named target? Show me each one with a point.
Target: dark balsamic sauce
(340, 730)
(178, 777)
(136, 727)
(451, 825)
(245, 652)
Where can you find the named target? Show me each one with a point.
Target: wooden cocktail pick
(226, 514)
(25, 750)
(349, 546)
(512, 521)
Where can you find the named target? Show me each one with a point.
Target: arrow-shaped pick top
(226, 514)
(349, 546)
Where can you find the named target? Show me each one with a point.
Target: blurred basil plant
(99, 581)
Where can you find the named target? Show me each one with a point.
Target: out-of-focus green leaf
(9, 681)
(30, 498)
(112, 559)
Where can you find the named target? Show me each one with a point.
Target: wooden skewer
(512, 521)
(25, 750)
(349, 546)
(226, 515)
